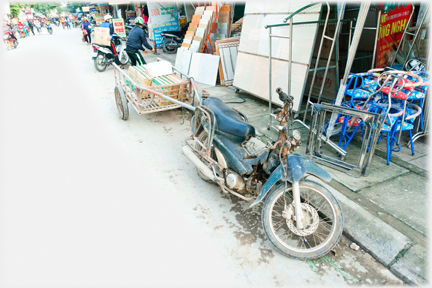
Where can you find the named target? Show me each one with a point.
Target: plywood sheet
(252, 75)
(183, 60)
(204, 68)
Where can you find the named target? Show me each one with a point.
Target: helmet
(107, 17)
(139, 20)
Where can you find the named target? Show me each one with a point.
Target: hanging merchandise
(163, 17)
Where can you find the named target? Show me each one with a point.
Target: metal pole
(270, 79)
(317, 62)
(364, 9)
(415, 37)
(290, 56)
(330, 53)
(376, 38)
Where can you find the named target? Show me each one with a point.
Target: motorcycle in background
(103, 56)
(301, 218)
(49, 28)
(172, 40)
(10, 39)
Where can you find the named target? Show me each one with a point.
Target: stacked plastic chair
(392, 94)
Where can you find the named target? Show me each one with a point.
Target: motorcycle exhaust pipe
(198, 163)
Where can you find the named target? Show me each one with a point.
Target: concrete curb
(390, 247)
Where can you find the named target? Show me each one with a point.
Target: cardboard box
(187, 45)
(159, 68)
(190, 33)
(102, 36)
(192, 28)
(193, 25)
(196, 17)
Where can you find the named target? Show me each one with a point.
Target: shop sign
(119, 27)
(163, 17)
(392, 26)
(85, 9)
(99, 18)
(94, 9)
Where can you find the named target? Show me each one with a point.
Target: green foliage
(42, 7)
(72, 6)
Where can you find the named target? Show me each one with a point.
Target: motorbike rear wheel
(98, 62)
(50, 31)
(121, 102)
(123, 58)
(323, 217)
(166, 46)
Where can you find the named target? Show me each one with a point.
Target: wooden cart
(152, 99)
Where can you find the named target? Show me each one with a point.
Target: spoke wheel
(99, 62)
(121, 102)
(323, 222)
(170, 46)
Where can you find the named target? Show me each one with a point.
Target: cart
(153, 99)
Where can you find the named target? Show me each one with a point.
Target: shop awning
(102, 4)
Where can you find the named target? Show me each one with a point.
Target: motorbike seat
(229, 121)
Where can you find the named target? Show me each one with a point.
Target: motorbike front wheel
(166, 46)
(99, 62)
(323, 221)
(50, 31)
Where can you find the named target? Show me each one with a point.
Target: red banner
(392, 26)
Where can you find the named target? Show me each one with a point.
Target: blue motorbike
(300, 217)
(49, 28)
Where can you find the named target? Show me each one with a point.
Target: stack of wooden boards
(165, 84)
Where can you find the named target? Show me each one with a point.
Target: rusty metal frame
(372, 123)
(146, 106)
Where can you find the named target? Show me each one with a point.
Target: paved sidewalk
(386, 212)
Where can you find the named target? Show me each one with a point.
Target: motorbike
(11, 42)
(103, 56)
(172, 40)
(49, 28)
(21, 31)
(301, 218)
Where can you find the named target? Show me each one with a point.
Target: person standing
(68, 23)
(31, 25)
(86, 27)
(135, 43)
(38, 25)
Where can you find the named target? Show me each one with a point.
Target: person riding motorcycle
(135, 43)
(108, 24)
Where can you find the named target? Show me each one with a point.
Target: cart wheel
(121, 102)
(237, 90)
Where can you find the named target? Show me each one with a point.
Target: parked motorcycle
(10, 40)
(301, 218)
(172, 40)
(103, 57)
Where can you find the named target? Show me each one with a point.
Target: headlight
(296, 135)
